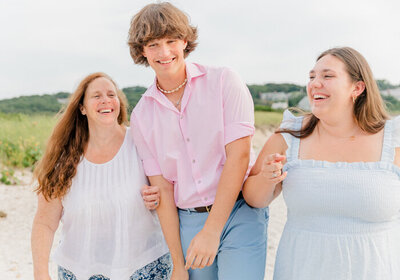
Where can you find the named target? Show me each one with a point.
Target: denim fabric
(160, 269)
(243, 245)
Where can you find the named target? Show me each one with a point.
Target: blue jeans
(160, 269)
(243, 245)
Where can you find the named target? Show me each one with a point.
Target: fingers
(272, 170)
(211, 260)
(274, 158)
(151, 205)
(279, 178)
(198, 260)
(151, 196)
(149, 190)
(189, 257)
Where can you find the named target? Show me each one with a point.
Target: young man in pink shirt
(193, 130)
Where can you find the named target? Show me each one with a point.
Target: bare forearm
(169, 221)
(168, 215)
(257, 193)
(229, 187)
(41, 242)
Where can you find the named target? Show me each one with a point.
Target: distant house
(62, 100)
(274, 96)
(393, 92)
(279, 105)
(279, 100)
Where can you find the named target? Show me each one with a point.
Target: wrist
(212, 229)
(264, 182)
(178, 261)
(42, 276)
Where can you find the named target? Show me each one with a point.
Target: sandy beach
(19, 203)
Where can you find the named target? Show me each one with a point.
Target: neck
(171, 81)
(100, 137)
(340, 129)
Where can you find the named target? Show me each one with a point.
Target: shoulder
(292, 122)
(144, 102)
(214, 72)
(396, 132)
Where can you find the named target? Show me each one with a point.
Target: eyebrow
(99, 92)
(323, 70)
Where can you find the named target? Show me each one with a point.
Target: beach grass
(23, 138)
(267, 119)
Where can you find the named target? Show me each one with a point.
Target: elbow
(255, 197)
(256, 202)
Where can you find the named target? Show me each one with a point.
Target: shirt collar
(193, 70)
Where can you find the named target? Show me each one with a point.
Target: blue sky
(48, 46)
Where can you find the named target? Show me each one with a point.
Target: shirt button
(199, 181)
(181, 116)
(187, 139)
(193, 161)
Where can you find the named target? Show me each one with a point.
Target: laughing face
(166, 56)
(101, 104)
(330, 88)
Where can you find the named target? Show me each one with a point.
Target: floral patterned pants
(160, 269)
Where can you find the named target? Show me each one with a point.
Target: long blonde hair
(66, 145)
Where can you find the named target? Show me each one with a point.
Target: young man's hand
(202, 249)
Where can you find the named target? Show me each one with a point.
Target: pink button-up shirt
(187, 147)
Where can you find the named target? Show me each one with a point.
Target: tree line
(52, 103)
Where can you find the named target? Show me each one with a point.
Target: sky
(47, 46)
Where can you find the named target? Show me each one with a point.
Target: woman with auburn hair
(342, 187)
(90, 179)
(193, 130)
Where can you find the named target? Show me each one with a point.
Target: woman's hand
(271, 169)
(151, 196)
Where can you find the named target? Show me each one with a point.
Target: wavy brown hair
(156, 21)
(66, 145)
(369, 109)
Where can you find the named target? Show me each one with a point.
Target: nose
(315, 82)
(105, 99)
(164, 50)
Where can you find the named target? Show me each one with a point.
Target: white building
(393, 92)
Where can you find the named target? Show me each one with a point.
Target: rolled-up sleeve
(238, 107)
(150, 164)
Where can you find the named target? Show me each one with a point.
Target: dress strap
(293, 123)
(388, 151)
(295, 146)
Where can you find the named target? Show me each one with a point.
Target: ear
(359, 88)
(185, 44)
(82, 109)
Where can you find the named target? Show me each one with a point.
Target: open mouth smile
(318, 97)
(105, 111)
(166, 61)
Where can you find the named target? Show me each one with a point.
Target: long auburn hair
(369, 109)
(69, 138)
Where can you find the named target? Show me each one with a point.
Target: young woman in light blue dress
(339, 171)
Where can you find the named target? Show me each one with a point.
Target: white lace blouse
(106, 227)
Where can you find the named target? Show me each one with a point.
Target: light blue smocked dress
(343, 219)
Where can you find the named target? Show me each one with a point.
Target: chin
(318, 112)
